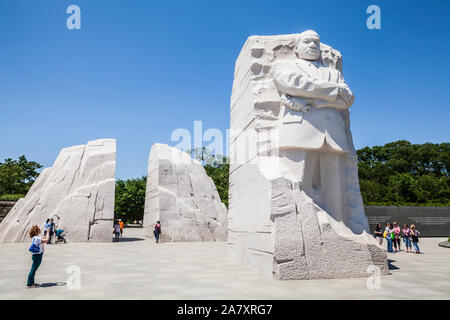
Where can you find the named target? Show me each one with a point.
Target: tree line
(398, 173)
(401, 173)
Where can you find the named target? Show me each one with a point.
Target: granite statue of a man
(295, 208)
(315, 139)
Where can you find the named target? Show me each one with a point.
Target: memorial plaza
(251, 184)
(138, 268)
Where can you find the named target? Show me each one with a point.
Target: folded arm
(287, 79)
(344, 92)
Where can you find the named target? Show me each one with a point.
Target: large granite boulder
(295, 208)
(77, 192)
(183, 197)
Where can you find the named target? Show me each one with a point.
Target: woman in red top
(157, 231)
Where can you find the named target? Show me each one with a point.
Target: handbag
(34, 248)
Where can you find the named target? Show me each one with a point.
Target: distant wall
(430, 221)
(5, 207)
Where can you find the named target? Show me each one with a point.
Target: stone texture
(183, 197)
(77, 192)
(295, 209)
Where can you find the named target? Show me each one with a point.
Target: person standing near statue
(397, 237)
(121, 224)
(406, 237)
(51, 231)
(379, 233)
(157, 231)
(389, 234)
(116, 231)
(415, 238)
(37, 252)
(46, 226)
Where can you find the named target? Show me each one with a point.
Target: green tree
(403, 173)
(130, 199)
(217, 168)
(17, 176)
(219, 173)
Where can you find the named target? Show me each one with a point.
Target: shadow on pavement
(52, 284)
(130, 239)
(391, 266)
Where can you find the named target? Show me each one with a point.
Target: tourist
(46, 226)
(379, 233)
(157, 231)
(116, 232)
(37, 251)
(406, 237)
(52, 231)
(415, 238)
(397, 235)
(121, 224)
(389, 234)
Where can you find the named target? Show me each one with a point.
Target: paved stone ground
(141, 269)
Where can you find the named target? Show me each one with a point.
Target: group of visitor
(394, 236)
(118, 230)
(50, 226)
(53, 230)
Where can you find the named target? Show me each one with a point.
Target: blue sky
(138, 69)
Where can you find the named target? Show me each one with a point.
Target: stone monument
(295, 209)
(77, 192)
(183, 197)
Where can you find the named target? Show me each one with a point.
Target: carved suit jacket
(314, 113)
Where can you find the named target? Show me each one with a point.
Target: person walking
(406, 238)
(415, 238)
(157, 231)
(389, 233)
(37, 252)
(116, 232)
(121, 224)
(397, 236)
(379, 233)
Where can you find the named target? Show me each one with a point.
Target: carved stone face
(309, 46)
